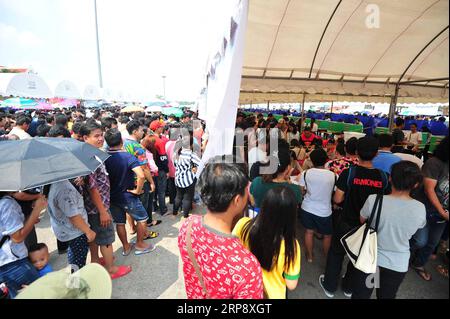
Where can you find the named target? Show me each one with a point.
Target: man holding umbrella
(97, 202)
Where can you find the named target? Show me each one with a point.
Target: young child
(39, 256)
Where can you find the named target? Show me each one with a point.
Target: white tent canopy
(27, 85)
(349, 48)
(91, 92)
(5, 78)
(67, 89)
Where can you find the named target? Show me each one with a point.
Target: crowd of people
(330, 186)
(247, 244)
(147, 161)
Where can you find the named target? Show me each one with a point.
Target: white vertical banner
(224, 82)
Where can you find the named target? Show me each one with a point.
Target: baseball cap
(156, 124)
(90, 282)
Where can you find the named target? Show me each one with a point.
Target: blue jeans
(18, 273)
(425, 241)
(162, 185)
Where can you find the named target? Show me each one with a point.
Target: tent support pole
(392, 107)
(100, 78)
(332, 103)
(303, 113)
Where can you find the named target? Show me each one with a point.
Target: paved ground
(158, 274)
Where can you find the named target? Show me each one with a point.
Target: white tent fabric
(27, 85)
(91, 92)
(349, 47)
(5, 78)
(67, 89)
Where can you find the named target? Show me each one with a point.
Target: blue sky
(140, 40)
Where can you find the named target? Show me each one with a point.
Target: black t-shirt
(365, 182)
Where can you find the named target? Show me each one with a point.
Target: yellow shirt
(274, 281)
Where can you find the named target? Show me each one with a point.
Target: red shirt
(160, 144)
(229, 270)
(309, 139)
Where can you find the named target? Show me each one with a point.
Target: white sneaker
(327, 293)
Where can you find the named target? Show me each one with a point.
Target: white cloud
(10, 36)
(140, 41)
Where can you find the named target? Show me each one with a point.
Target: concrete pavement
(159, 273)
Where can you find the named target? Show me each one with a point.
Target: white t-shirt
(411, 158)
(414, 138)
(20, 133)
(319, 189)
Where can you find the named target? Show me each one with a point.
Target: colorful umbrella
(155, 103)
(154, 108)
(132, 109)
(20, 103)
(172, 111)
(44, 106)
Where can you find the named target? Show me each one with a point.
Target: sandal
(124, 253)
(151, 235)
(442, 270)
(123, 270)
(147, 250)
(422, 273)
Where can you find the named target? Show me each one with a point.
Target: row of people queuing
(146, 162)
(331, 197)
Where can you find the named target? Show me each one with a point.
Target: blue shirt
(120, 167)
(47, 269)
(384, 161)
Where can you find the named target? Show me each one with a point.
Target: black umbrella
(36, 162)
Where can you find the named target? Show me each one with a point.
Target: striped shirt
(184, 177)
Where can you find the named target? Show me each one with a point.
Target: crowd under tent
(346, 50)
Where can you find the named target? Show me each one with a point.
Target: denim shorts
(323, 225)
(133, 207)
(104, 235)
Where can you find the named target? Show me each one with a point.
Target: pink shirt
(170, 145)
(151, 163)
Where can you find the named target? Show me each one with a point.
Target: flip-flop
(124, 253)
(151, 235)
(422, 273)
(442, 270)
(149, 249)
(123, 270)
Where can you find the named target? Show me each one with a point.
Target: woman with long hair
(271, 238)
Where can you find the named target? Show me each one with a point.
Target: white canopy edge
(67, 89)
(278, 90)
